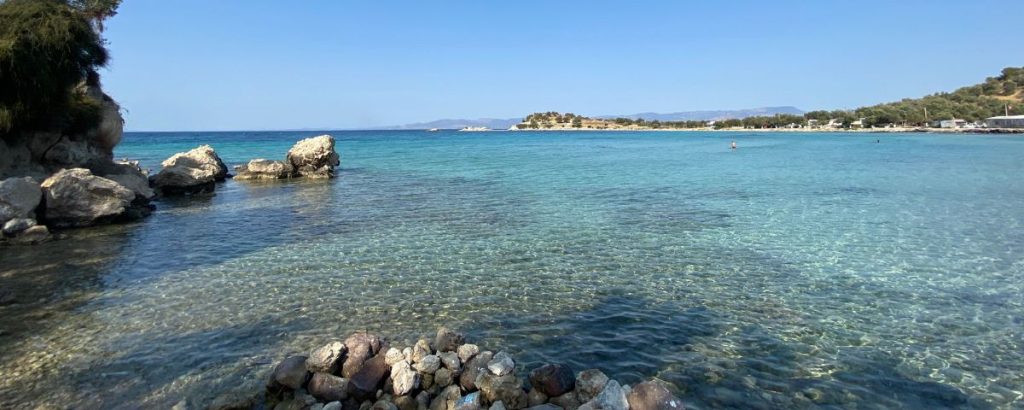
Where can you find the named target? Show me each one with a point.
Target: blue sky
(255, 65)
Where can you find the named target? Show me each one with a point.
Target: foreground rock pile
(364, 372)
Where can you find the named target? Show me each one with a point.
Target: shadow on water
(633, 339)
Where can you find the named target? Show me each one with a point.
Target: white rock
(467, 351)
(404, 378)
(314, 157)
(501, 364)
(428, 364)
(75, 197)
(189, 172)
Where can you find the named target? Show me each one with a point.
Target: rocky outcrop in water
(74, 198)
(365, 373)
(313, 158)
(192, 172)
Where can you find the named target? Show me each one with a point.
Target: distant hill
(454, 124)
(713, 115)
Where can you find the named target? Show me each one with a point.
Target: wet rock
(383, 405)
(589, 384)
(508, 389)
(314, 157)
(393, 356)
(535, 398)
(325, 359)
(567, 401)
(34, 234)
(469, 402)
(328, 387)
(405, 402)
(291, 372)
(368, 379)
(77, 198)
(446, 399)
(404, 378)
(443, 377)
(467, 351)
(235, 400)
(421, 350)
(498, 405)
(447, 340)
(17, 225)
(613, 397)
(365, 405)
(501, 364)
(476, 366)
(264, 169)
(334, 405)
(450, 360)
(360, 347)
(652, 396)
(19, 198)
(191, 172)
(553, 379)
(428, 364)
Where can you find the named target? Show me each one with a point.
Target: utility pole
(1006, 110)
(925, 115)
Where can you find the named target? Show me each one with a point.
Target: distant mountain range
(500, 124)
(710, 115)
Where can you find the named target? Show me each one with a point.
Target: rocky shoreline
(365, 372)
(51, 181)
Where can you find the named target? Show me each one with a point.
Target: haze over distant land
(343, 65)
(498, 124)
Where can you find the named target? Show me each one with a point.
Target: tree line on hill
(48, 48)
(996, 96)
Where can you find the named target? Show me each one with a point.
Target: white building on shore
(1005, 121)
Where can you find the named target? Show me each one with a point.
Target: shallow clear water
(802, 270)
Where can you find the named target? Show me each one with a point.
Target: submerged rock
(17, 225)
(328, 387)
(191, 172)
(264, 169)
(314, 157)
(652, 396)
(76, 198)
(553, 379)
(447, 340)
(34, 234)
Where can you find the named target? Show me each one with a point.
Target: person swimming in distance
(733, 145)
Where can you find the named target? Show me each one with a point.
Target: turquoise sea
(800, 271)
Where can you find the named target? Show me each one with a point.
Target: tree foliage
(47, 47)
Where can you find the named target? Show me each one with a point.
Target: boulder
(469, 402)
(447, 340)
(443, 377)
(476, 366)
(428, 364)
(291, 372)
(392, 356)
(404, 378)
(422, 400)
(613, 397)
(131, 176)
(264, 169)
(325, 359)
(589, 384)
(498, 405)
(420, 350)
(328, 387)
(190, 172)
(383, 404)
(17, 225)
(19, 198)
(446, 399)
(535, 398)
(405, 402)
(334, 405)
(467, 351)
(553, 379)
(368, 379)
(76, 198)
(501, 364)
(34, 234)
(314, 157)
(567, 401)
(360, 346)
(652, 396)
(450, 360)
(508, 389)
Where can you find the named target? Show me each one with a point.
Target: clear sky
(256, 65)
